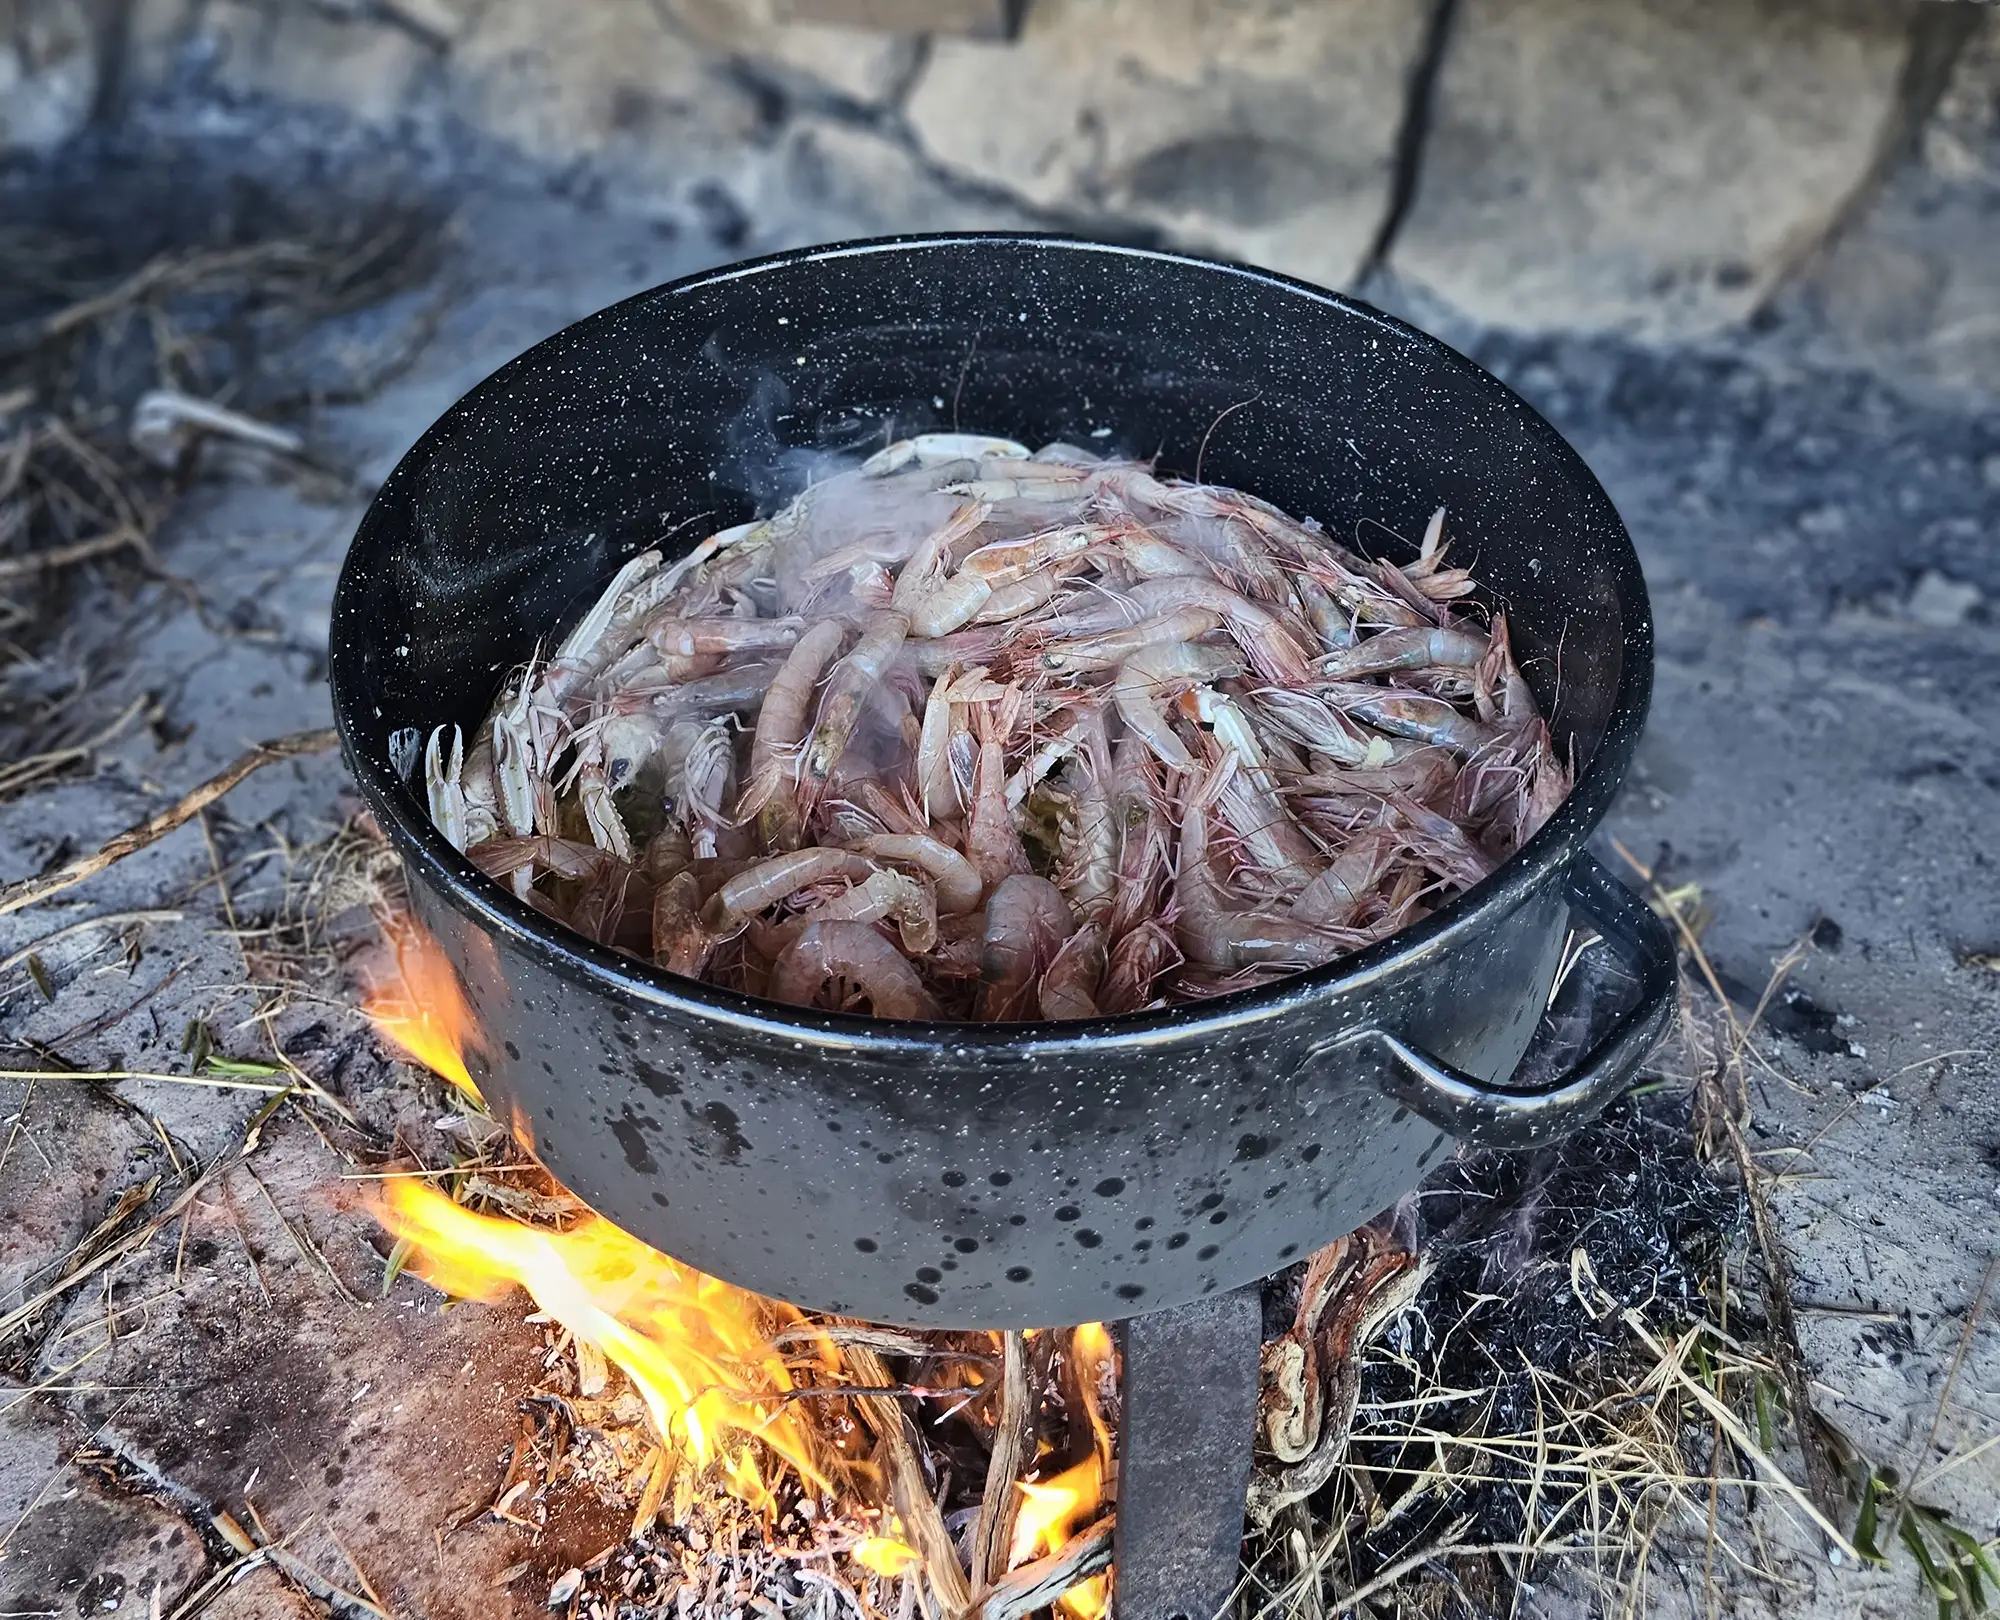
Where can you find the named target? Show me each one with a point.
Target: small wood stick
(37, 562)
(1035, 1586)
(993, 1538)
(32, 891)
(909, 1494)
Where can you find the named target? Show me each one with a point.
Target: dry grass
(1602, 1369)
(86, 329)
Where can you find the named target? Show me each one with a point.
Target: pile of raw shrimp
(971, 733)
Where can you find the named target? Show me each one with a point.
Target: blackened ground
(1821, 761)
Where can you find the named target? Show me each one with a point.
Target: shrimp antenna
(965, 366)
(1212, 426)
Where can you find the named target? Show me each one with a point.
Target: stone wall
(1657, 167)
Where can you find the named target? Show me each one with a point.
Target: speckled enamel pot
(1021, 1174)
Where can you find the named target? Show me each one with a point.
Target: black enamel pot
(1010, 1175)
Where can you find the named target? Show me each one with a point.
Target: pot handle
(1496, 1117)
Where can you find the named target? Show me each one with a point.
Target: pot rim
(431, 860)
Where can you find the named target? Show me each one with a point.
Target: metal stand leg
(1184, 1456)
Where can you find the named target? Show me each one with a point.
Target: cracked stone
(1913, 280)
(1653, 168)
(859, 64)
(79, 1544)
(1941, 602)
(608, 81)
(1262, 130)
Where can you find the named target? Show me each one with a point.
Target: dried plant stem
(32, 891)
(110, 919)
(909, 1493)
(1822, 1474)
(210, 1082)
(101, 545)
(1012, 1436)
(1035, 1586)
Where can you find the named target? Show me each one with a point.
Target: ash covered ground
(1821, 761)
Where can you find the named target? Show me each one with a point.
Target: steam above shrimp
(973, 731)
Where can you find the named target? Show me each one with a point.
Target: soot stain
(655, 1079)
(633, 1140)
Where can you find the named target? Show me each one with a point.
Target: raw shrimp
(1023, 596)
(1406, 649)
(1070, 985)
(848, 686)
(1441, 842)
(692, 638)
(933, 764)
(1322, 728)
(1033, 483)
(981, 646)
(706, 771)
(1266, 830)
(1027, 920)
(1508, 698)
(1006, 562)
(1344, 887)
(882, 894)
(1265, 641)
(566, 858)
(1150, 557)
(966, 732)
(1211, 933)
(1144, 677)
(771, 794)
(779, 878)
(938, 602)
(1410, 714)
(1089, 869)
(680, 943)
(959, 885)
(851, 959)
(1141, 825)
(1136, 963)
(992, 841)
(1218, 523)
(1110, 648)
(599, 913)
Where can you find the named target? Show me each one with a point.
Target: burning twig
(32, 891)
(1012, 1441)
(909, 1492)
(1036, 1585)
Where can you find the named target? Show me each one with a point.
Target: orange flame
(697, 1350)
(1051, 1512)
(1096, 1364)
(1054, 1510)
(425, 1014)
(884, 1555)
